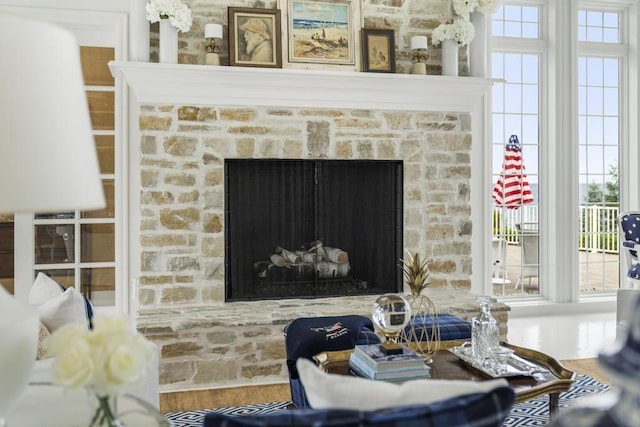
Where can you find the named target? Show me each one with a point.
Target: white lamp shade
(48, 159)
(213, 31)
(418, 42)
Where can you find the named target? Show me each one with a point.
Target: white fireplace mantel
(181, 83)
(153, 83)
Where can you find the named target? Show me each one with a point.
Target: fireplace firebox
(312, 228)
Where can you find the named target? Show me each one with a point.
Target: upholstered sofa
(58, 306)
(346, 401)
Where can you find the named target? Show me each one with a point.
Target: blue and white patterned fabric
(471, 410)
(451, 327)
(630, 236)
(308, 336)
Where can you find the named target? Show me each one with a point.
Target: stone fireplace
(190, 120)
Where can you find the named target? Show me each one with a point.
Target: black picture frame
(378, 51)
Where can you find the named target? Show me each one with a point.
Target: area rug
(527, 414)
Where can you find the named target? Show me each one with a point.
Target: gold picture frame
(255, 38)
(321, 34)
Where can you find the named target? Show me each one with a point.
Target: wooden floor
(224, 397)
(238, 396)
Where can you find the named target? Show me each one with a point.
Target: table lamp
(48, 161)
(391, 313)
(419, 48)
(212, 52)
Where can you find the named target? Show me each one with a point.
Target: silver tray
(516, 366)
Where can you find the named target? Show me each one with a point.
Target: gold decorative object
(423, 340)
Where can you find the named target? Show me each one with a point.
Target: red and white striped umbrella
(512, 189)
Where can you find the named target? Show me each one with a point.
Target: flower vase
(423, 330)
(140, 31)
(168, 50)
(478, 46)
(449, 57)
(103, 411)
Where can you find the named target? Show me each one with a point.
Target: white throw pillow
(44, 289)
(56, 306)
(68, 307)
(325, 390)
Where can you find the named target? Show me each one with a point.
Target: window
(533, 104)
(83, 248)
(516, 112)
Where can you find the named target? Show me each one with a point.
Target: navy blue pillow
(472, 410)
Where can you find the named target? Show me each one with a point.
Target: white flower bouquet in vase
(103, 360)
(452, 36)
(173, 16)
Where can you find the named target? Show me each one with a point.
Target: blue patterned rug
(532, 413)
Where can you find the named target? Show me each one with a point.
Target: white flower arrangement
(174, 10)
(488, 7)
(464, 8)
(105, 359)
(461, 30)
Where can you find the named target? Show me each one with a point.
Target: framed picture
(255, 38)
(378, 51)
(321, 32)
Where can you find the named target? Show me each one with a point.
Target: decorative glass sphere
(391, 313)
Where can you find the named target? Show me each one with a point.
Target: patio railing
(598, 230)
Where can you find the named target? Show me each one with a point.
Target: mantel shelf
(199, 84)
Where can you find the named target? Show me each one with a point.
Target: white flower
(465, 7)
(174, 10)
(76, 369)
(461, 30)
(488, 7)
(106, 359)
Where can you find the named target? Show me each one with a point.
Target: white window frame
(558, 159)
(93, 24)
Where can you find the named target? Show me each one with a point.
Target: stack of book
(368, 361)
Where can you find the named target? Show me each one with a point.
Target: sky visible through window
(516, 102)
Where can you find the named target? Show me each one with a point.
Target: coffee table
(554, 380)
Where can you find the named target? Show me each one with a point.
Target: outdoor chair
(629, 223)
(499, 253)
(529, 246)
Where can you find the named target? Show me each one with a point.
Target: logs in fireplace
(312, 228)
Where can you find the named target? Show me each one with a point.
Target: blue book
(380, 361)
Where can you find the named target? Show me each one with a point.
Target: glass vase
(103, 411)
(485, 333)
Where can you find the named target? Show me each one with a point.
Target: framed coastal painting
(255, 38)
(378, 51)
(321, 33)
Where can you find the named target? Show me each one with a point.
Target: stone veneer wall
(206, 342)
(407, 18)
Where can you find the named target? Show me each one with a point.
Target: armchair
(529, 243)
(629, 224)
(307, 336)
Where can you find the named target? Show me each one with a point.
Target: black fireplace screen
(312, 228)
